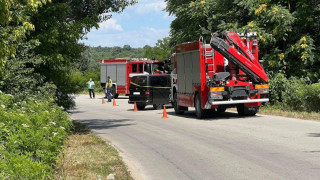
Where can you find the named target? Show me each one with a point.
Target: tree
(288, 30)
(55, 27)
(161, 51)
(14, 26)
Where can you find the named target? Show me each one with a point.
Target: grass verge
(277, 111)
(270, 110)
(87, 156)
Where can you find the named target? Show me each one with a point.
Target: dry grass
(267, 110)
(86, 156)
(276, 111)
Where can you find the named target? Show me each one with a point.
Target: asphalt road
(224, 146)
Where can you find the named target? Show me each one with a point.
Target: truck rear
(223, 74)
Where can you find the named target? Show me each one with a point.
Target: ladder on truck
(208, 53)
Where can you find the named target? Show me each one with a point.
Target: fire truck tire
(177, 109)
(116, 96)
(141, 106)
(200, 113)
(247, 111)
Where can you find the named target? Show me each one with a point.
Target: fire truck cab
(223, 74)
(122, 70)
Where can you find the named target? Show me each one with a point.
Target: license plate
(136, 93)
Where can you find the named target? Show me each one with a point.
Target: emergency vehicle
(122, 70)
(222, 74)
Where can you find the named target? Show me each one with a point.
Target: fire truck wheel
(157, 106)
(200, 113)
(177, 109)
(116, 96)
(141, 106)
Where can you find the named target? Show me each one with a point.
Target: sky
(141, 24)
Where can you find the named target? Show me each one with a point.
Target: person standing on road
(108, 88)
(91, 88)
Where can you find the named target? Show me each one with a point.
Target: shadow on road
(150, 108)
(312, 151)
(213, 116)
(314, 134)
(98, 124)
(75, 112)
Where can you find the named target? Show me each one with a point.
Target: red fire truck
(122, 70)
(223, 74)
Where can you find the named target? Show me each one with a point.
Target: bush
(80, 79)
(311, 97)
(32, 132)
(277, 87)
(294, 94)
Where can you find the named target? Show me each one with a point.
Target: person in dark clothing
(108, 88)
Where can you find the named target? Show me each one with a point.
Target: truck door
(138, 89)
(160, 89)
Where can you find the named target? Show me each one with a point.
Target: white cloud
(136, 38)
(139, 25)
(110, 25)
(146, 7)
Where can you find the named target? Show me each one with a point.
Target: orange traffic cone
(103, 102)
(164, 112)
(114, 102)
(135, 107)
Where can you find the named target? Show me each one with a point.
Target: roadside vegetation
(32, 132)
(278, 111)
(293, 97)
(294, 94)
(87, 156)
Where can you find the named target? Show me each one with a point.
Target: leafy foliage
(15, 24)
(32, 132)
(161, 51)
(294, 94)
